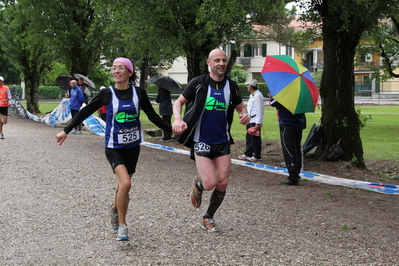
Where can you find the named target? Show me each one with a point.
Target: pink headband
(126, 62)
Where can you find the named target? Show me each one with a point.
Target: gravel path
(53, 211)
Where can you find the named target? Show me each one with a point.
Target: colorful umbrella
(290, 84)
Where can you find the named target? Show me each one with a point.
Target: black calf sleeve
(216, 199)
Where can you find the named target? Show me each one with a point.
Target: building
(252, 53)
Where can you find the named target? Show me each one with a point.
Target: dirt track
(53, 211)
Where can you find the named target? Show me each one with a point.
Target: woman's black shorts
(127, 157)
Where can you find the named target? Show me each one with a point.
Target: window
(248, 50)
(264, 49)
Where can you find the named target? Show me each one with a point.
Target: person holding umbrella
(123, 133)
(212, 99)
(293, 93)
(291, 127)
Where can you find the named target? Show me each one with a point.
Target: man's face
(73, 83)
(217, 63)
(1, 82)
(81, 81)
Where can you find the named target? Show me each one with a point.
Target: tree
(77, 30)
(384, 40)
(343, 23)
(170, 28)
(23, 46)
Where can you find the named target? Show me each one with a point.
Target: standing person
(165, 110)
(291, 127)
(85, 90)
(5, 97)
(14, 92)
(76, 100)
(123, 133)
(256, 108)
(212, 99)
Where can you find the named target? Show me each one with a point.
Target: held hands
(60, 137)
(179, 126)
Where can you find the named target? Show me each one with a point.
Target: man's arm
(242, 114)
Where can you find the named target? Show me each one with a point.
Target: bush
(50, 92)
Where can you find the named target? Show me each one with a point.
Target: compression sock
(216, 199)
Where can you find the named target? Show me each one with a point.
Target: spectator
(165, 110)
(256, 107)
(291, 127)
(76, 100)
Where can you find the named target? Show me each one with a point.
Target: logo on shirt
(213, 104)
(123, 117)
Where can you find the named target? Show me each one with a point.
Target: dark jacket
(286, 118)
(196, 92)
(165, 102)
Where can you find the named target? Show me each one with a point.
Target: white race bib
(128, 135)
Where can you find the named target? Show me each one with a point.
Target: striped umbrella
(290, 84)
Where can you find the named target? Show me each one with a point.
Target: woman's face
(120, 72)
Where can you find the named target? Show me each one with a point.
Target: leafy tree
(384, 40)
(238, 74)
(343, 23)
(159, 31)
(25, 48)
(77, 30)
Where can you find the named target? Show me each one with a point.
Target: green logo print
(213, 104)
(123, 117)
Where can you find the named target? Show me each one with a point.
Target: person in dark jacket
(291, 127)
(165, 110)
(123, 133)
(211, 100)
(76, 100)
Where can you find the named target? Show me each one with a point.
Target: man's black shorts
(210, 151)
(4, 110)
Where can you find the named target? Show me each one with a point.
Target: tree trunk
(340, 120)
(32, 102)
(143, 73)
(196, 64)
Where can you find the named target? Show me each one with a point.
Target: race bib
(201, 147)
(128, 135)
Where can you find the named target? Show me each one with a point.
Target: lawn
(380, 136)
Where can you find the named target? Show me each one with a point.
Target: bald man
(205, 128)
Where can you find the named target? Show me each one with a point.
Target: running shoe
(1, 136)
(244, 157)
(123, 233)
(78, 132)
(196, 195)
(114, 218)
(209, 225)
(74, 131)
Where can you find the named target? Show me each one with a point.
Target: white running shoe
(123, 233)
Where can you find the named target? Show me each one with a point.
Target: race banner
(62, 114)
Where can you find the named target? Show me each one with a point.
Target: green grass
(380, 136)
